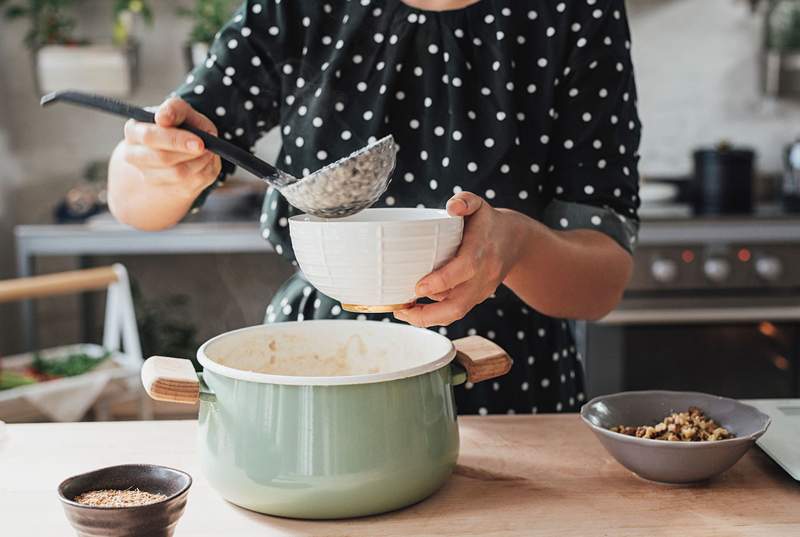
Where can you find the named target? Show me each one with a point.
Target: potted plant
(207, 16)
(63, 61)
(782, 48)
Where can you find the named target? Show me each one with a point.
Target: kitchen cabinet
(517, 475)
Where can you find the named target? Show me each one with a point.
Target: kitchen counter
(517, 475)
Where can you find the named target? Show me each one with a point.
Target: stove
(713, 305)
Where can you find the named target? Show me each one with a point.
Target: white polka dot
(505, 168)
(457, 135)
(589, 189)
(457, 189)
(427, 102)
(621, 149)
(563, 222)
(568, 144)
(279, 249)
(482, 411)
(199, 89)
(438, 131)
(488, 142)
(597, 13)
(542, 62)
(390, 200)
(545, 382)
(317, 121)
(456, 82)
(300, 82)
(273, 30)
(220, 111)
(409, 177)
(535, 168)
(531, 88)
(336, 310)
(597, 144)
(620, 67)
(581, 42)
(418, 71)
(445, 162)
(433, 184)
(322, 154)
(358, 58)
(299, 141)
(500, 115)
(361, 86)
(346, 135)
(423, 155)
(617, 192)
(490, 334)
(601, 164)
(232, 44)
(544, 139)
(433, 49)
(532, 15)
(524, 386)
(596, 220)
(499, 35)
(587, 117)
(471, 114)
(573, 92)
(414, 124)
(550, 32)
(303, 110)
(523, 194)
(378, 37)
(490, 194)
(486, 91)
(471, 166)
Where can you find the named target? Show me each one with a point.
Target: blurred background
(719, 98)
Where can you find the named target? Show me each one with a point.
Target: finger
(465, 204)
(439, 296)
(142, 156)
(167, 139)
(186, 171)
(175, 111)
(455, 307)
(452, 274)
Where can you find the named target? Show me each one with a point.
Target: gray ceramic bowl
(152, 520)
(673, 462)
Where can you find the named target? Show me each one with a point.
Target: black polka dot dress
(528, 103)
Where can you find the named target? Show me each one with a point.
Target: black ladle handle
(233, 153)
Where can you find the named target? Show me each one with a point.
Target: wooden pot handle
(481, 358)
(57, 284)
(171, 379)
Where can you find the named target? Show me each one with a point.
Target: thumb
(464, 204)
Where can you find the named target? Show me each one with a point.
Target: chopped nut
(689, 426)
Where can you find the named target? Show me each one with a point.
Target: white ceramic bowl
(372, 261)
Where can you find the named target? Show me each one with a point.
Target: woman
(518, 115)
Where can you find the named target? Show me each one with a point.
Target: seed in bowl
(118, 498)
(690, 426)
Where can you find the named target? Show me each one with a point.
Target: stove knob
(769, 268)
(717, 270)
(664, 270)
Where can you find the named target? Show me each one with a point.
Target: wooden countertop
(517, 475)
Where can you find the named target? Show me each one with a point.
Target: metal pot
(723, 180)
(327, 419)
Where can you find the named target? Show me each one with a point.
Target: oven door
(729, 347)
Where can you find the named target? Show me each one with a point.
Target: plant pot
(194, 54)
(327, 419)
(103, 69)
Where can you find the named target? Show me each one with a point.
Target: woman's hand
(157, 171)
(489, 250)
(169, 156)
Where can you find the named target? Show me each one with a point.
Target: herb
(13, 379)
(208, 16)
(71, 366)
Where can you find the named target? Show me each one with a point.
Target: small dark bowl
(673, 462)
(152, 520)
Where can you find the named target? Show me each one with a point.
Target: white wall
(697, 69)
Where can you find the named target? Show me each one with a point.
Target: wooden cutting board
(517, 475)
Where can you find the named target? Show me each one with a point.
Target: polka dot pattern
(529, 104)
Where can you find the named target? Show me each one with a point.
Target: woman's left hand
(489, 249)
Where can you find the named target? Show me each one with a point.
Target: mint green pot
(329, 446)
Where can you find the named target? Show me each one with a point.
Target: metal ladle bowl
(340, 189)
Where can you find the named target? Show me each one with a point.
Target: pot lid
(326, 352)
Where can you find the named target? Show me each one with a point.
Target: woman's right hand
(169, 157)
